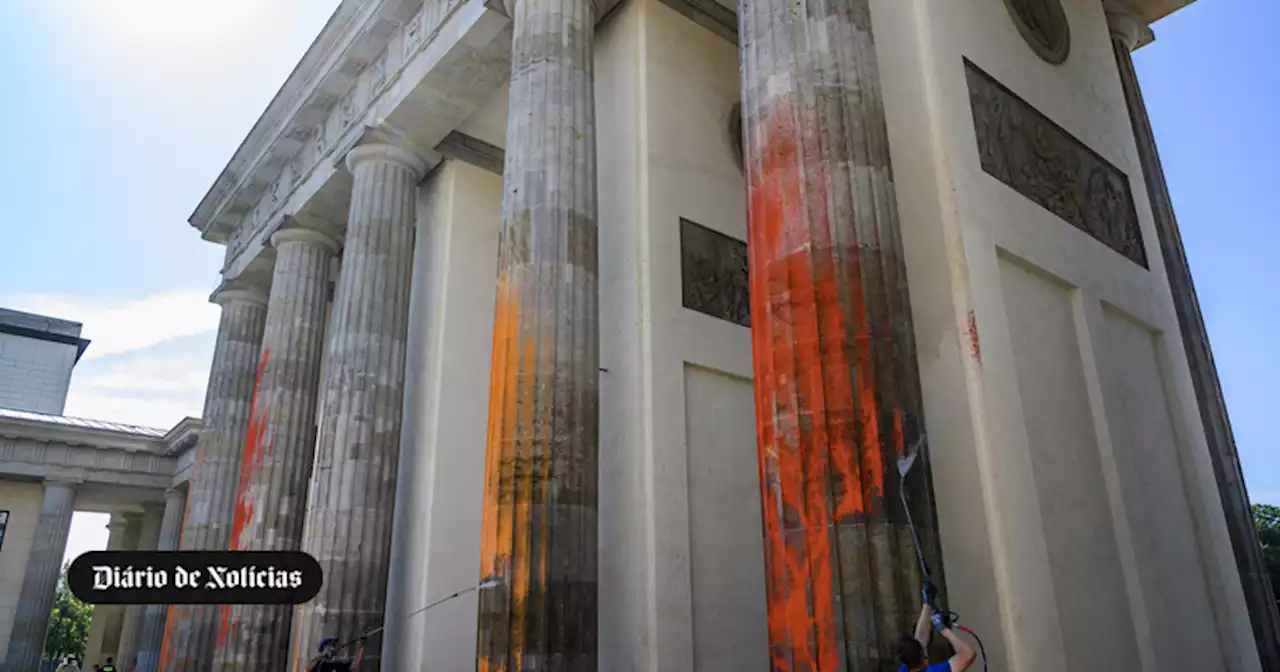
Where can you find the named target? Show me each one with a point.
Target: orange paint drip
(818, 402)
(500, 452)
(254, 450)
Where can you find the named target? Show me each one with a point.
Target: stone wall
(22, 501)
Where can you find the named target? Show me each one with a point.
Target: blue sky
(119, 114)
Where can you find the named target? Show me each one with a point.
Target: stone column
(836, 381)
(148, 540)
(190, 630)
(152, 636)
(348, 523)
(1127, 32)
(540, 503)
(272, 499)
(104, 631)
(40, 580)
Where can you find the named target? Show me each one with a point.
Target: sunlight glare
(164, 23)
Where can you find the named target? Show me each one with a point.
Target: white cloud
(148, 359)
(116, 327)
(153, 387)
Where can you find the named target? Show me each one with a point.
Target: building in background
(51, 466)
(37, 355)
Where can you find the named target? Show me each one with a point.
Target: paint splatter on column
(539, 529)
(837, 388)
(280, 443)
(190, 630)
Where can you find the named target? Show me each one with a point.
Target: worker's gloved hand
(930, 593)
(941, 620)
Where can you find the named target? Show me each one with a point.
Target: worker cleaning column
(837, 384)
(913, 652)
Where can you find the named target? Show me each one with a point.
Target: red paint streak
(818, 407)
(254, 450)
(974, 346)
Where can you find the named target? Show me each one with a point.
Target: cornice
(354, 36)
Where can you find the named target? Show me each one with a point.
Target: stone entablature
(38, 446)
(358, 55)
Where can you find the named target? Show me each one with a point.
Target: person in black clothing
(110, 666)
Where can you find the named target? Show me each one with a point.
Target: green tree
(68, 624)
(1267, 519)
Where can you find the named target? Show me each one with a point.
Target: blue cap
(327, 641)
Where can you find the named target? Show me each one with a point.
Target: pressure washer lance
(488, 582)
(950, 618)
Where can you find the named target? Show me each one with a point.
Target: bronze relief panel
(1040, 160)
(713, 273)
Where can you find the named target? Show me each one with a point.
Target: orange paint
(824, 381)
(975, 347)
(496, 539)
(254, 450)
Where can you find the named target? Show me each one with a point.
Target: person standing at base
(110, 666)
(913, 652)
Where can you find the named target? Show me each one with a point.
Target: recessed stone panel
(713, 273)
(1040, 160)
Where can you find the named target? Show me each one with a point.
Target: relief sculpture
(1037, 158)
(713, 274)
(1044, 26)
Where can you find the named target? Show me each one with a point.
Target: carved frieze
(342, 110)
(413, 33)
(1040, 160)
(1044, 26)
(713, 273)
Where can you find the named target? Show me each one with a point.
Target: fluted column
(190, 630)
(540, 504)
(152, 636)
(40, 580)
(131, 630)
(837, 388)
(104, 630)
(348, 524)
(271, 505)
(1127, 32)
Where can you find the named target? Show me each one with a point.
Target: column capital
(388, 153)
(173, 494)
(152, 507)
(302, 234)
(508, 7)
(118, 522)
(1126, 26)
(63, 481)
(235, 291)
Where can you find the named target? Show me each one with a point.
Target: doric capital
(173, 495)
(1126, 26)
(153, 508)
(300, 234)
(387, 153)
(508, 7)
(63, 482)
(231, 291)
(119, 521)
